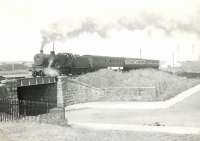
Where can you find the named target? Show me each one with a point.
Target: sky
(160, 29)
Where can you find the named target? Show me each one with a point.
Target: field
(158, 85)
(46, 132)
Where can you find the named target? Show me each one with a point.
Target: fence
(9, 109)
(14, 109)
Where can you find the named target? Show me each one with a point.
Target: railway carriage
(67, 63)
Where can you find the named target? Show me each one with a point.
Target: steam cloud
(177, 29)
(49, 71)
(56, 31)
(87, 26)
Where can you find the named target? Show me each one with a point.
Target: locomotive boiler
(69, 64)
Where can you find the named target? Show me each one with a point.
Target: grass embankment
(124, 83)
(15, 72)
(45, 132)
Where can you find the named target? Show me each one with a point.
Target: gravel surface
(3, 137)
(185, 113)
(45, 132)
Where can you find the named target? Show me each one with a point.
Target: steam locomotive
(69, 64)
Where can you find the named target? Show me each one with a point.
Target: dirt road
(185, 113)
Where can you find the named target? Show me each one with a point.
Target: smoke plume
(59, 32)
(88, 26)
(51, 34)
(159, 29)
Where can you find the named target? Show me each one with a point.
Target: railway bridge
(62, 90)
(34, 88)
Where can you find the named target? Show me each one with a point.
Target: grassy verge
(166, 85)
(45, 132)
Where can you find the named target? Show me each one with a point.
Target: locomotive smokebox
(52, 53)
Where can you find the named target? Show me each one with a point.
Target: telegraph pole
(13, 67)
(173, 64)
(53, 45)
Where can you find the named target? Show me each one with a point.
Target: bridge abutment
(9, 89)
(61, 87)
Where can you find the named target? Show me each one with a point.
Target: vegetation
(120, 84)
(190, 66)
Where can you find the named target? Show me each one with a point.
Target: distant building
(2, 78)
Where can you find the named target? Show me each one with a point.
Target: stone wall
(3, 91)
(129, 93)
(9, 88)
(73, 92)
(68, 91)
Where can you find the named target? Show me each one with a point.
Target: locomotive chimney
(41, 51)
(52, 52)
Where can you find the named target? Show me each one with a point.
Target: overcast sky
(102, 27)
